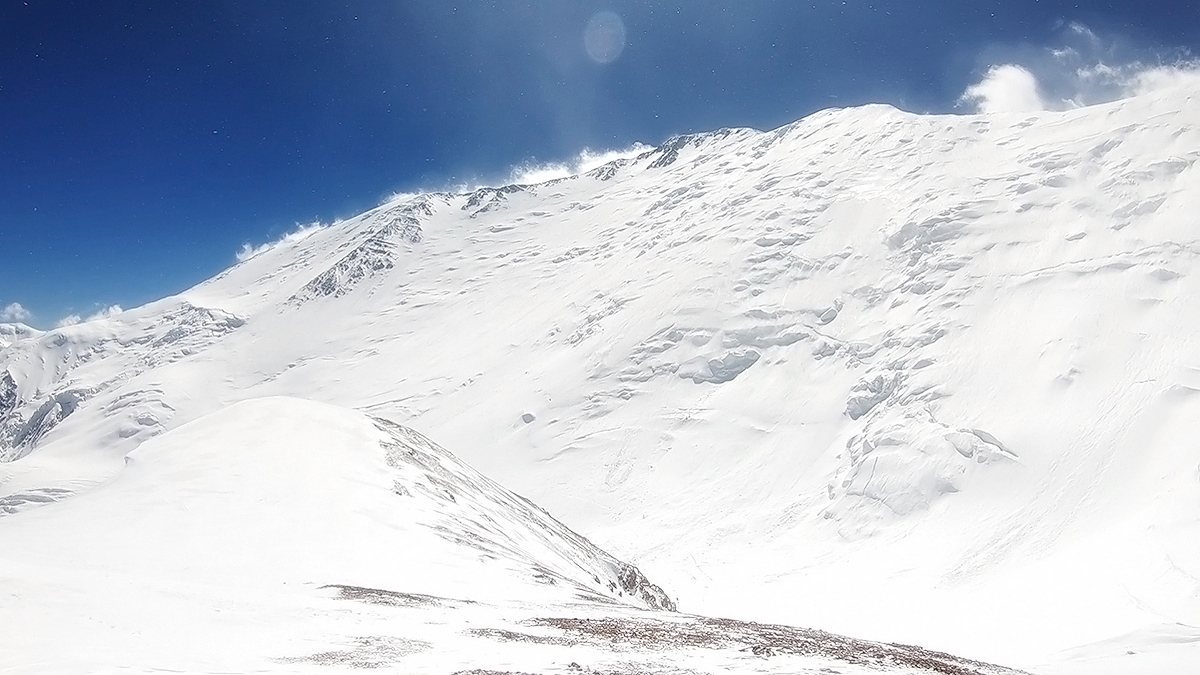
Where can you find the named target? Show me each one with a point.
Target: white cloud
(1084, 32)
(301, 232)
(68, 320)
(532, 173)
(14, 312)
(1086, 68)
(1006, 88)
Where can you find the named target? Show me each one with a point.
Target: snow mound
(282, 490)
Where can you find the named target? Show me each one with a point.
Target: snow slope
(275, 492)
(228, 544)
(926, 379)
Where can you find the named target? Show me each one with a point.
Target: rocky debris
(651, 636)
(368, 652)
(373, 256)
(376, 596)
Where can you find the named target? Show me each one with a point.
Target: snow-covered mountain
(921, 379)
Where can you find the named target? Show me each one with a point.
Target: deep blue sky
(141, 143)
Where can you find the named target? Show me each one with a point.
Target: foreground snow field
(917, 379)
(207, 553)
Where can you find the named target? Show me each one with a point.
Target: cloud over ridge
(1005, 88)
(14, 312)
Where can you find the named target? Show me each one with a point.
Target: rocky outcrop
(473, 508)
(636, 584)
(375, 255)
(17, 435)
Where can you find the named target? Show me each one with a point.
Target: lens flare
(604, 37)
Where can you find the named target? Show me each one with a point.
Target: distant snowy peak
(11, 332)
(40, 386)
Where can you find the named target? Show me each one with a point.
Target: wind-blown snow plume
(1006, 88)
(72, 319)
(301, 233)
(531, 173)
(1085, 69)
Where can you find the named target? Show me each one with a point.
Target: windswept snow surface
(924, 379)
(207, 553)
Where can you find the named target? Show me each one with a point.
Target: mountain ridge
(868, 355)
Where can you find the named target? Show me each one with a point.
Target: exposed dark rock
(9, 397)
(448, 480)
(626, 634)
(488, 198)
(636, 584)
(376, 254)
(608, 171)
(18, 436)
(668, 152)
(377, 596)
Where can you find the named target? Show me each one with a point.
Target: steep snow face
(918, 378)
